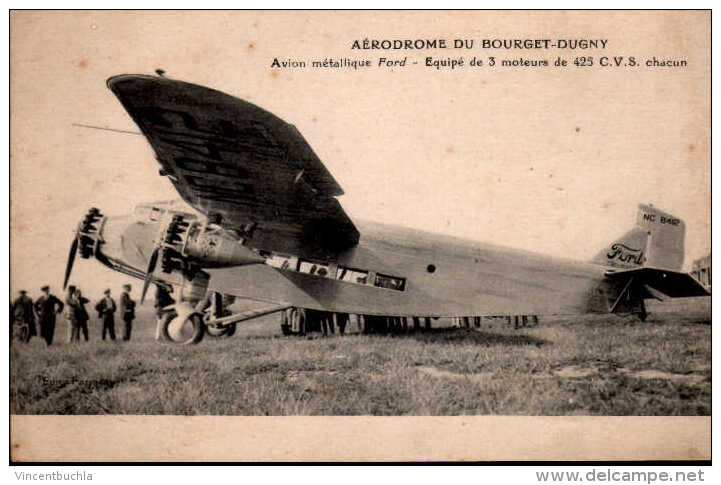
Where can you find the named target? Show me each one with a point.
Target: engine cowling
(206, 246)
(218, 248)
(89, 233)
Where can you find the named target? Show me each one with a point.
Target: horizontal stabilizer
(655, 293)
(670, 283)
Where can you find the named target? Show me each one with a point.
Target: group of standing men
(106, 309)
(299, 321)
(25, 312)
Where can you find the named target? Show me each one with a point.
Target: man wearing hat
(82, 313)
(22, 310)
(71, 315)
(127, 311)
(106, 311)
(46, 307)
(76, 314)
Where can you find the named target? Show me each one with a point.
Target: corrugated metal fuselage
(444, 276)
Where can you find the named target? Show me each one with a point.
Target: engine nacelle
(207, 246)
(218, 248)
(89, 233)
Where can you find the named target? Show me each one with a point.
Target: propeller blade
(149, 274)
(71, 260)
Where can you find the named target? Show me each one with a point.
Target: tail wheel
(184, 331)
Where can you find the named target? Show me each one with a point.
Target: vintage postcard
(360, 235)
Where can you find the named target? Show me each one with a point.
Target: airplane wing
(670, 283)
(240, 165)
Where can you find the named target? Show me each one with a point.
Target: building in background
(701, 270)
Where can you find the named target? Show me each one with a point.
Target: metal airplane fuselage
(444, 276)
(440, 275)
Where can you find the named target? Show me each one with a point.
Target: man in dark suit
(46, 307)
(127, 311)
(106, 311)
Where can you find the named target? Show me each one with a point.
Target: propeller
(149, 273)
(167, 237)
(71, 260)
(84, 241)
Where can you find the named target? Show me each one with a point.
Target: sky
(552, 160)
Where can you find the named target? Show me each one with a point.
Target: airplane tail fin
(656, 241)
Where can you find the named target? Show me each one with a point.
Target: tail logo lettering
(625, 254)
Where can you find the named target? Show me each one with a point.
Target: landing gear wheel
(186, 330)
(220, 332)
(285, 329)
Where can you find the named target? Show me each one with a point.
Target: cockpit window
(282, 262)
(157, 213)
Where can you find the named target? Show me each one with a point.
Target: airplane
(267, 225)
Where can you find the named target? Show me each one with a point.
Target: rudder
(657, 241)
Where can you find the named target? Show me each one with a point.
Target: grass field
(589, 365)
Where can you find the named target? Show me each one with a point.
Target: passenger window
(390, 282)
(334, 271)
(352, 275)
(317, 269)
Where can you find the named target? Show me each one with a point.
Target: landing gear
(217, 307)
(186, 327)
(183, 325)
(224, 331)
(643, 314)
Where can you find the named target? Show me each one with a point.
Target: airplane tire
(224, 332)
(188, 332)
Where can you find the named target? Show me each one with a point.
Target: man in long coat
(46, 307)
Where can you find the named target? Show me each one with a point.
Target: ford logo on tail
(625, 254)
